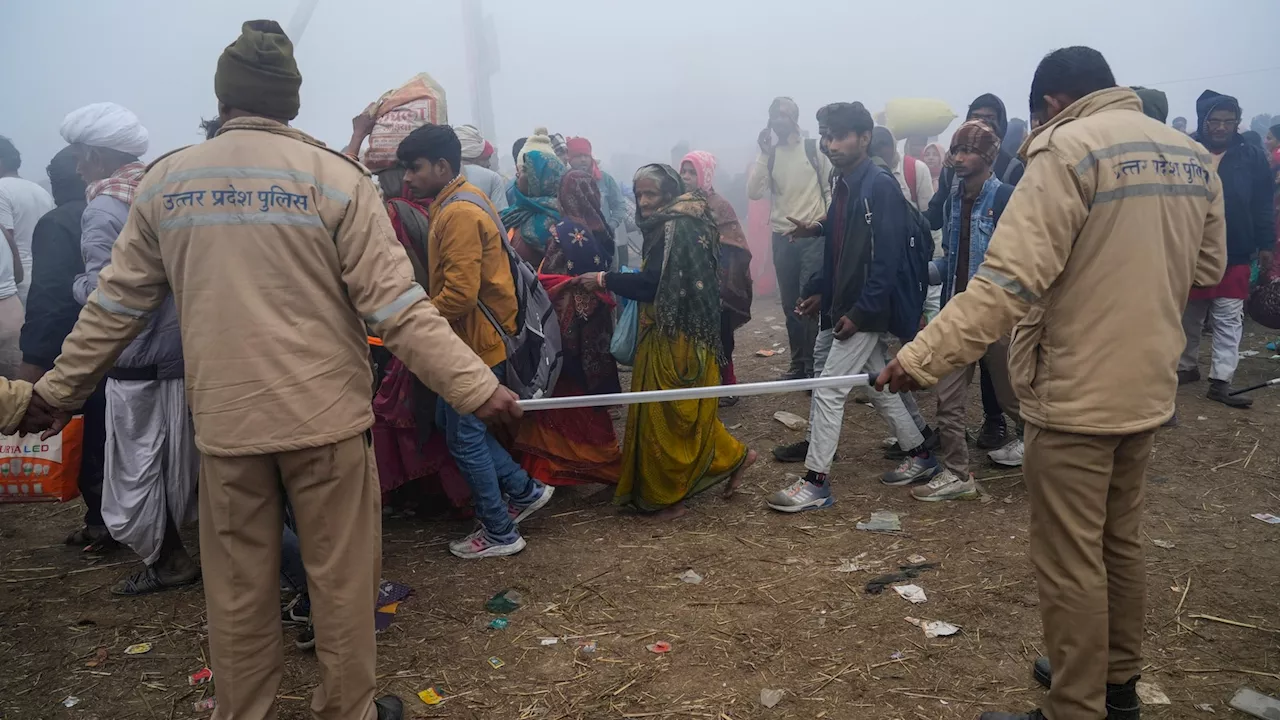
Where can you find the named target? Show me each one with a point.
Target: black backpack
(907, 303)
(534, 354)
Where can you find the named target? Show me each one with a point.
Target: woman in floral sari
(674, 450)
(698, 170)
(535, 206)
(577, 445)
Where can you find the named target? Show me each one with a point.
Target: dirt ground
(771, 611)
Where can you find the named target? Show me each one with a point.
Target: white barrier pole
(696, 393)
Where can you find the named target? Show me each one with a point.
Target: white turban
(472, 141)
(106, 125)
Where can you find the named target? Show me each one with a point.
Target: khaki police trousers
(336, 500)
(1086, 546)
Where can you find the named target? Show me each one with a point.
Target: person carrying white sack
(151, 458)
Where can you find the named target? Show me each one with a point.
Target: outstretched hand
(896, 378)
(803, 229)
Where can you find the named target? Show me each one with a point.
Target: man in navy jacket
(1247, 191)
(859, 299)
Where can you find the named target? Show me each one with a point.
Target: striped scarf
(122, 185)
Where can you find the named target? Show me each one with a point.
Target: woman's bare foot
(671, 513)
(735, 480)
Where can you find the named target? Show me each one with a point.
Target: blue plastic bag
(623, 344)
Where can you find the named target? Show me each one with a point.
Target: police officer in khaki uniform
(279, 254)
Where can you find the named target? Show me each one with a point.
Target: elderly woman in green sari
(674, 450)
(535, 207)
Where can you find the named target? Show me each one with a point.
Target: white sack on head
(106, 125)
(472, 141)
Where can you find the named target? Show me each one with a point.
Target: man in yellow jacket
(472, 287)
(1115, 220)
(280, 255)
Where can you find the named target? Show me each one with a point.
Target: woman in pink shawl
(698, 170)
(935, 156)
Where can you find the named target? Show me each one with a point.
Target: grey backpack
(534, 353)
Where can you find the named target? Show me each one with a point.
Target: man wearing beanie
(280, 256)
(1247, 193)
(971, 211)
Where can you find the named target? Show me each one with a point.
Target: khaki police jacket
(279, 253)
(1115, 220)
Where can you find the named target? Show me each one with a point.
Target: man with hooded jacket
(1247, 192)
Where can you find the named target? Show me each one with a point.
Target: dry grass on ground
(771, 611)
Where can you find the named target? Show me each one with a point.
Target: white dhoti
(151, 463)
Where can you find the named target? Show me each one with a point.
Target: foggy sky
(635, 78)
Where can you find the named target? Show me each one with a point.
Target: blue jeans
(489, 469)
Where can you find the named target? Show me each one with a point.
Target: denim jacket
(987, 208)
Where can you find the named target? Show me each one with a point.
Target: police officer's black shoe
(1122, 699)
(389, 708)
(1033, 715)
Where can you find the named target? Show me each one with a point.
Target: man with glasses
(1247, 191)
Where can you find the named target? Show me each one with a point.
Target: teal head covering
(535, 213)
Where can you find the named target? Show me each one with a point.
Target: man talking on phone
(794, 175)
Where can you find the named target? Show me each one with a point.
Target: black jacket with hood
(1247, 186)
(1008, 168)
(52, 309)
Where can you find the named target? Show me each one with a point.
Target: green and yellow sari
(675, 450)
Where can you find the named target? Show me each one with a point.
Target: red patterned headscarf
(580, 202)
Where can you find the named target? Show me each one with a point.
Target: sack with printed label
(35, 470)
(418, 102)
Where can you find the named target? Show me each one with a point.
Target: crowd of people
(326, 343)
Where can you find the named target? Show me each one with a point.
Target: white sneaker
(479, 545)
(947, 486)
(1010, 455)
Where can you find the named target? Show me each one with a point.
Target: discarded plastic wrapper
(200, 677)
(856, 564)
(205, 704)
(431, 696)
(766, 353)
(549, 640)
(1250, 701)
(1267, 518)
(934, 628)
(1163, 544)
(99, 657)
(882, 521)
(691, 577)
(587, 646)
(770, 697)
(694, 393)
(660, 647)
(913, 594)
(791, 420)
(496, 662)
(139, 649)
(1151, 694)
(507, 601)
(70, 701)
(498, 623)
